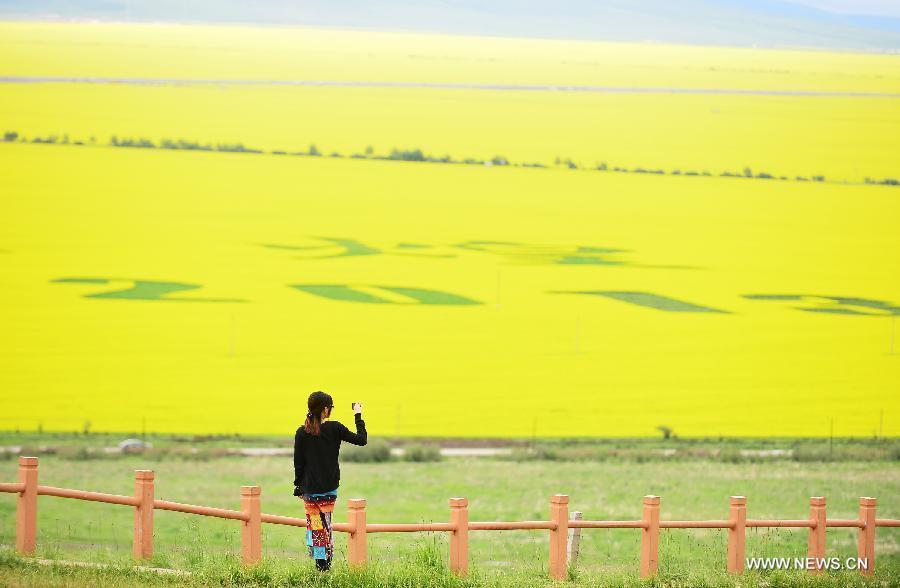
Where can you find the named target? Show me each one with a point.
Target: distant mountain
(764, 23)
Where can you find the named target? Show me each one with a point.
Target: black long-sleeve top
(316, 468)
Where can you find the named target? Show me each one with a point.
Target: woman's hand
(357, 408)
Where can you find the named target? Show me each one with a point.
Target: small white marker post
(574, 539)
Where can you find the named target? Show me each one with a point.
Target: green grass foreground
(692, 488)
(421, 568)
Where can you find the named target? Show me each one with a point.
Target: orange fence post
(251, 529)
(26, 506)
(459, 537)
(866, 545)
(357, 550)
(737, 534)
(816, 544)
(143, 514)
(650, 537)
(559, 537)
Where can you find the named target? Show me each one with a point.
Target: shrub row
(416, 155)
(378, 451)
(803, 453)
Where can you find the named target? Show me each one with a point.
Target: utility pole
(831, 440)
(232, 337)
(577, 334)
(893, 331)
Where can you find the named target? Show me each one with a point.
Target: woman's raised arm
(360, 437)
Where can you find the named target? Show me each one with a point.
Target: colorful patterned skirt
(319, 535)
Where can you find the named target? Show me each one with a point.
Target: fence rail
(562, 550)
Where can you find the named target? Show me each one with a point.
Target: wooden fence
(251, 517)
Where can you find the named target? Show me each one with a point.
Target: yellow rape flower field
(474, 236)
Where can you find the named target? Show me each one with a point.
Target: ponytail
(313, 424)
(317, 403)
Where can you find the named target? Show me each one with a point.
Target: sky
(868, 25)
(873, 7)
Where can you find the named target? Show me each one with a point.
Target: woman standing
(316, 471)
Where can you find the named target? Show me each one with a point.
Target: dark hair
(318, 401)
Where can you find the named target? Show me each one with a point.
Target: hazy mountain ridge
(765, 23)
